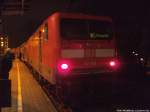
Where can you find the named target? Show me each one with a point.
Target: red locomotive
(68, 46)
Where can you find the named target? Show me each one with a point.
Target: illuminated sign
(98, 35)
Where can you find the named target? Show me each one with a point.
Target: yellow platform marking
(20, 109)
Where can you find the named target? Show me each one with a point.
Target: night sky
(131, 18)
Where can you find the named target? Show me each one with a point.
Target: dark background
(131, 19)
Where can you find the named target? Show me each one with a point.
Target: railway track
(59, 105)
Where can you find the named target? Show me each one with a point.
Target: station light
(43, 30)
(2, 44)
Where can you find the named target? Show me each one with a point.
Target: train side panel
(50, 50)
(43, 49)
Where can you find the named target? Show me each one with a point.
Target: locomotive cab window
(46, 32)
(86, 29)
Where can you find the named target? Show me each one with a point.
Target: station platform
(26, 93)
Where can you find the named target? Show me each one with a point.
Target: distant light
(133, 52)
(43, 30)
(136, 54)
(141, 59)
(2, 45)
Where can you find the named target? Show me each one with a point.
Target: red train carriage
(68, 46)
